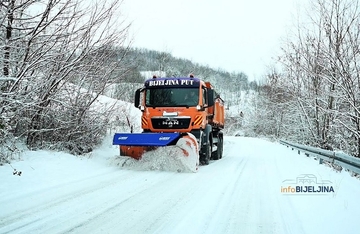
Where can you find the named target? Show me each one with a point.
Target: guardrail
(346, 161)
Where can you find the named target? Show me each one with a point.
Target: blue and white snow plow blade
(183, 148)
(145, 139)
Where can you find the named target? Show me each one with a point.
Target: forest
(59, 56)
(314, 98)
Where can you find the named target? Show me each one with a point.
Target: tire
(220, 147)
(205, 158)
(206, 149)
(215, 155)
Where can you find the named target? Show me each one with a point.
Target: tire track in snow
(255, 206)
(140, 207)
(38, 207)
(75, 192)
(136, 206)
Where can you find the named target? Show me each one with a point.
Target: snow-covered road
(241, 193)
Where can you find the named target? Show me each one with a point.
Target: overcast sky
(235, 35)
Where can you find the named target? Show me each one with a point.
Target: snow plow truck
(185, 112)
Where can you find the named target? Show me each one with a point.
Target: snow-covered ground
(241, 193)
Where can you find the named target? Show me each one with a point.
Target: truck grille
(166, 123)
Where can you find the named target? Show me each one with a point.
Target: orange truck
(173, 109)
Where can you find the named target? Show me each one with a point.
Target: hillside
(165, 63)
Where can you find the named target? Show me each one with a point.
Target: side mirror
(210, 97)
(137, 98)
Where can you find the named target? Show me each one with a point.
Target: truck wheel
(207, 154)
(220, 148)
(216, 154)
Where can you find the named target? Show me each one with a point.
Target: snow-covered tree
(57, 57)
(321, 72)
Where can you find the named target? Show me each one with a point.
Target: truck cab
(183, 105)
(174, 104)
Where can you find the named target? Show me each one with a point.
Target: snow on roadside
(125, 113)
(40, 171)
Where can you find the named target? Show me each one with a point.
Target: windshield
(172, 97)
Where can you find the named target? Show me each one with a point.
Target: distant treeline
(150, 60)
